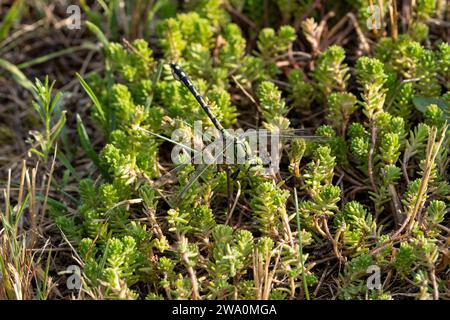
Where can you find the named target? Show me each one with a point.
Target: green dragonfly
(235, 144)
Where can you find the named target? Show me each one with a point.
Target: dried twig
(241, 16)
(394, 17)
(432, 152)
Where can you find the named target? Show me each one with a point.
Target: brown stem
(398, 212)
(374, 23)
(322, 277)
(31, 183)
(238, 194)
(421, 194)
(241, 16)
(319, 229)
(333, 241)
(135, 19)
(227, 169)
(266, 13)
(405, 169)
(394, 16)
(434, 284)
(47, 190)
(336, 27)
(364, 43)
(431, 157)
(306, 14)
(192, 275)
(381, 5)
(150, 212)
(350, 177)
(191, 272)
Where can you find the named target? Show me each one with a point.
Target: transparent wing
(168, 139)
(195, 132)
(304, 132)
(290, 134)
(170, 176)
(293, 137)
(200, 170)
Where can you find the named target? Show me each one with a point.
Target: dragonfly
(240, 146)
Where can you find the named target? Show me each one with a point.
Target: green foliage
(324, 196)
(425, 9)
(116, 270)
(320, 171)
(435, 214)
(271, 44)
(359, 226)
(52, 117)
(371, 78)
(301, 92)
(331, 73)
(359, 143)
(434, 116)
(400, 57)
(13, 13)
(184, 31)
(231, 253)
(340, 108)
(335, 142)
(405, 258)
(269, 207)
(292, 10)
(272, 104)
(354, 285)
(427, 72)
(402, 105)
(419, 253)
(444, 63)
(373, 190)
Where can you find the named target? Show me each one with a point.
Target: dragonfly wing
(285, 134)
(297, 132)
(200, 170)
(170, 176)
(168, 139)
(288, 132)
(292, 137)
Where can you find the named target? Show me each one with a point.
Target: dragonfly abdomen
(180, 75)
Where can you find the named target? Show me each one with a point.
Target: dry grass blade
(17, 75)
(21, 267)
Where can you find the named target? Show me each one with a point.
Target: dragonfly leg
(235, 174)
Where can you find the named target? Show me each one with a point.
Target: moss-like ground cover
(361, 212)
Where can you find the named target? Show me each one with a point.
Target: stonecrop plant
(370, 192)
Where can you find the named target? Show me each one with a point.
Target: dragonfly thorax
(242, 150)
(177, 72)
(175, 75)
